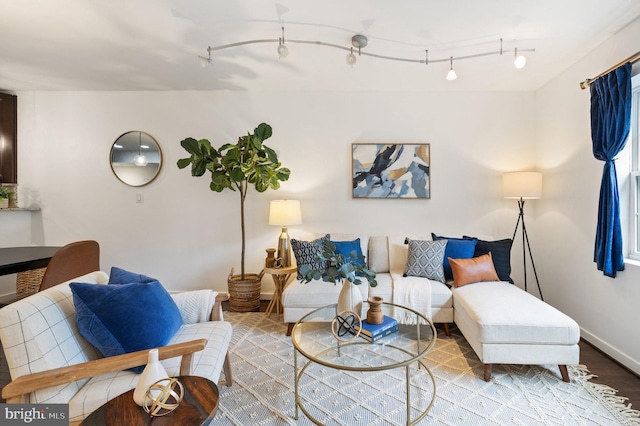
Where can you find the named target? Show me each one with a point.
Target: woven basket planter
(244, 295)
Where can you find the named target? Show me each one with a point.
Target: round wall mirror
(136, 158)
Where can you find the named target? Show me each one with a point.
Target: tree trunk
(243, 193)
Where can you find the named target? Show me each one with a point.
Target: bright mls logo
(34, 414)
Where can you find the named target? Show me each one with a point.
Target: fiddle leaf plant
(248, 162)
(339, 267)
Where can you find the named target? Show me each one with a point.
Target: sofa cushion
(122, 318)
(425, 259)
(457, 248)
(378, 255)
(476, 269)
(501, 254)
(306, 252)
(500, 312)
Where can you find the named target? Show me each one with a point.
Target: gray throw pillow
(425, 259)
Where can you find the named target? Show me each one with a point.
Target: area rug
(263, 388)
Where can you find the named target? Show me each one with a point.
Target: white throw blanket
(413, 293)
(195, 306)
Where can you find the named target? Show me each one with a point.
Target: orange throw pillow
(477, 269)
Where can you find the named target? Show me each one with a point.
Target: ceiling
(154, 44)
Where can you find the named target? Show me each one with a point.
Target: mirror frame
(160, 160)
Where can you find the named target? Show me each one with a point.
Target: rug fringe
(607, 393)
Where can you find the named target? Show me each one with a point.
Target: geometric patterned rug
(263, 389)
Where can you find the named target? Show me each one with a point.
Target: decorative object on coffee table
(163, 397)
(375, 314)
(341, 268)
(152, 372)
(237, 166)
(346, 323)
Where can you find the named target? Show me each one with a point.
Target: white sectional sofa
(387, 256)
(39, 334)
(503, 324)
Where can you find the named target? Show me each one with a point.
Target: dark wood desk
(198, 407)
(20, 259)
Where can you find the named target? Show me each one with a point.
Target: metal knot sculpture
(344, 324)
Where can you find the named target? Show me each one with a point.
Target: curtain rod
(633, 59)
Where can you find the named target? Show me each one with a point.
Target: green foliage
(339, 267)
(237, 166)
(5, 192)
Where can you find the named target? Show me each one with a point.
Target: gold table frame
(413, 358)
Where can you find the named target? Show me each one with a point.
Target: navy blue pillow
(457, 248)
(500, 253)
(124, 318)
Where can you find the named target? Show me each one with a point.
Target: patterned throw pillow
(306, 252)
(425, 259)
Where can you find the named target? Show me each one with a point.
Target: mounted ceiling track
(633, 59)
(359, 41)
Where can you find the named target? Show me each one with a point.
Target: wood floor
(609, 372)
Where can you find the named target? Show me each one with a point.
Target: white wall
(189, 237)
(605, 308)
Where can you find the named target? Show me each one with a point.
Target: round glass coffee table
(344, 383)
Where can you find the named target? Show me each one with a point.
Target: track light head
(283, 51)
(359, 41)
(451, 75)
(205, 60)
(351, 58)
(520, 60)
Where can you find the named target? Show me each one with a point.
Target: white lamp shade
(525, 185)
(285, 213)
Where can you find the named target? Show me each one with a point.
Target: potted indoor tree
(348, 270)
(237, 167)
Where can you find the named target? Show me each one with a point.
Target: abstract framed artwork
(391, 170)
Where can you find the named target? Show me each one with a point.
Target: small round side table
(280, 277)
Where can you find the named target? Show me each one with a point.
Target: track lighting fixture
(204, 61)
(520, 60)
(451, 75)
(351, 58)
(283, 51)
(359, 41)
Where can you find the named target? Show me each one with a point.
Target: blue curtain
(610, 122)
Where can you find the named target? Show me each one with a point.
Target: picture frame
(396, 170)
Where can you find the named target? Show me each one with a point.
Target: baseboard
(8, 298)
(606, 348)
(266, 296)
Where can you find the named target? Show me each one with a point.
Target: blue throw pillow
(346, 247)
(457, 248)
(124, 318)
(120, 276)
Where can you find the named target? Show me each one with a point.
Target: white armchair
(50, 362)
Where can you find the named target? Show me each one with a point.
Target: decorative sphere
(163, 397)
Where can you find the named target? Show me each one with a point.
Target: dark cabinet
(8, 138)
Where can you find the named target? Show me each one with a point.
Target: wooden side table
(198, 407)
(280, 278)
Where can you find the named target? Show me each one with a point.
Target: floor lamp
(523, 186)
(284, 213)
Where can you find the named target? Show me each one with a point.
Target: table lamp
(523, 186)
(284, 213)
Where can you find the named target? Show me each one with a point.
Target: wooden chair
(73, 260)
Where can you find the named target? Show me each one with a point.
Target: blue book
(380, 335)
(373, 330)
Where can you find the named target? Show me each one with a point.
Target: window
(634, 175)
